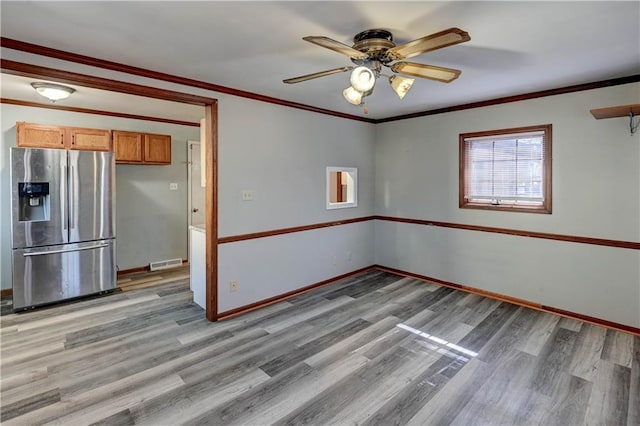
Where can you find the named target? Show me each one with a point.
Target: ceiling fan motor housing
(374, 43)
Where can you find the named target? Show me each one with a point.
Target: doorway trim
(190, 148)
(210, 139)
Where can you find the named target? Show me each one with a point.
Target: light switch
(173, 186)
(247, 195)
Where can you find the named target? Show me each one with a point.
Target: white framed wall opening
(342, 187)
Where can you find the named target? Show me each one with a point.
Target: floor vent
(165, 264)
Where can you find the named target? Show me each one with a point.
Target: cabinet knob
(195, 210)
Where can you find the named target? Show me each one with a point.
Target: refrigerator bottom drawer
(44, 275)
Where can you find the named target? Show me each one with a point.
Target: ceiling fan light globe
(401, 85)
(362, 79)
(352, 95)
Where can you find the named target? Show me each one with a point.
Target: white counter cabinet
(198, 264)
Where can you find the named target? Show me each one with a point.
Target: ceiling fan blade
(316, 75)
(428, 43)
(446, 75)
(336, 46)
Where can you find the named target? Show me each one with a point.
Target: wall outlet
(173, 186)
(349, 255)
(233, 286)
(335, 260)
(247, 195)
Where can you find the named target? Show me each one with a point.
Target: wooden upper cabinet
(30, 135)
(157, 149)
(141, 148)
(89, 139)
(127, 146)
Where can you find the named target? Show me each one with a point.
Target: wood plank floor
(145, 279)
(376, 349)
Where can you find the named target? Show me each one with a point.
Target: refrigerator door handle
(65, 204)
(42, 253)
(72, 201)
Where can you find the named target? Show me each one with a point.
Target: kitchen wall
(151, 220)
(596, 193)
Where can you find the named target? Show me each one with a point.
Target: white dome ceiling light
(53, 92)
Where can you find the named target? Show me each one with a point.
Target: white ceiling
(515, 48)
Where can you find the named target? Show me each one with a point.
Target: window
(342, 187)
(508, 169)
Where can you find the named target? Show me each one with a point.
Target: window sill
(507, 208)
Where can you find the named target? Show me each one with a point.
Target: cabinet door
(31, 135)
(90, 139)
(157, 149)
(127, 146)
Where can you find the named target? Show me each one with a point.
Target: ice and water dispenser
(33, 202)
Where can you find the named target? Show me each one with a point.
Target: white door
(196, 191)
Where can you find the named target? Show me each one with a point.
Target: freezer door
(39, 166)
(51, 274)
(91, 195)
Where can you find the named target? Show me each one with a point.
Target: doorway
(210, 139)
(195, 196)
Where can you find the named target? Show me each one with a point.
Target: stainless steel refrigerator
(63, 225)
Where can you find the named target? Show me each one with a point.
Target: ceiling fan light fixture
(362, 79)
(373, 49)
(400, 85)
(352, 95)
(53, 92)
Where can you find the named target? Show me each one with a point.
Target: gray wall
(151, 221)
(281, 154)
(596, 193)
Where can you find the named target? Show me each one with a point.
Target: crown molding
(516, 98)
(97, 112)
(128, 69)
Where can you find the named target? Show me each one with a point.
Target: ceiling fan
(374, 49)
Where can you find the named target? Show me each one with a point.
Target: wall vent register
(165, 264)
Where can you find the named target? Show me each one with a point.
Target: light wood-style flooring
(376, 349)
(146, 279)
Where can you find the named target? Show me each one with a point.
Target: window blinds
(505, 169)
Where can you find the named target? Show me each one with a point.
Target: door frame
(190, 145)
(210, 139)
